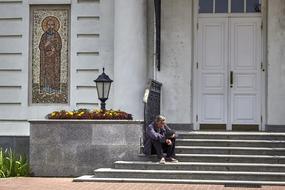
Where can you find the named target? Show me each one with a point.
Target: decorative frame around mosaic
(50, 54)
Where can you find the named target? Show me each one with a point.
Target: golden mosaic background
(38, 16)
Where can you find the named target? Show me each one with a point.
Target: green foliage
(12, 165)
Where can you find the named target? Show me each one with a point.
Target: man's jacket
(155, 134)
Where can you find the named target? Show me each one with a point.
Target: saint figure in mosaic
(50, 55)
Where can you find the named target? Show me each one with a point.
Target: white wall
(276, 62)
(175, 74)
(92, 44)
(14, 66)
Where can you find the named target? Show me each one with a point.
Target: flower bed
(90, 114)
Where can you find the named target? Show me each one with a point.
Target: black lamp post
(103, 85)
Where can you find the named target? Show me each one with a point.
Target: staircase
(209, 158)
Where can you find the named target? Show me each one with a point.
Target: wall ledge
(85, 121)
(41, 2)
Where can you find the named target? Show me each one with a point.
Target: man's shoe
(170, 159)
(162, 161)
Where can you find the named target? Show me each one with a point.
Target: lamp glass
(103, 89)
(107, 86)
(100, 90)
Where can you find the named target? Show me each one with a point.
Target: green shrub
(12, 165)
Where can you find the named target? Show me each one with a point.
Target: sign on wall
(49, 55)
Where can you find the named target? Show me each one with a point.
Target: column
(130, 55)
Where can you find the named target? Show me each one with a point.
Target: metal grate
(152, 98)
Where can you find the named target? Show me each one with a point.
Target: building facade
(222, 61)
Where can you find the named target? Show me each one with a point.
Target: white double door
(229, 71)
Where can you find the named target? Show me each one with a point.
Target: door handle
(231, 78)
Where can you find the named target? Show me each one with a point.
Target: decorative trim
(85, 87)
(11, 53)
(10, 86)
(11, 36)
(96, 53)
(11, 2)
(88, 35)
(10, 70)
(82, 104)
(88, 1)
(13, 120)
(11, 18)
(88, 18)
(10, 103)
(87, 70)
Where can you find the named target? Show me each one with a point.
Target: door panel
(212, 59)
(245, 38)
(213, 108)
(213, 45)
(244, 109)
(229, 45)
(246, 81)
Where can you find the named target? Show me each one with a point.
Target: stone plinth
(77, 147)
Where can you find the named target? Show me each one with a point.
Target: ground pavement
(35, 183)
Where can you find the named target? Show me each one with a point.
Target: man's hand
(168, 142)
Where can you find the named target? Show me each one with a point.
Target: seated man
(160, 137)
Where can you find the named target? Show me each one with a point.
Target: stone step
(230, 150)
(230, 143)
(200, 166)
(231, 135)
(233, 183)
(181, 127)
(179, 174)
(228, 158)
